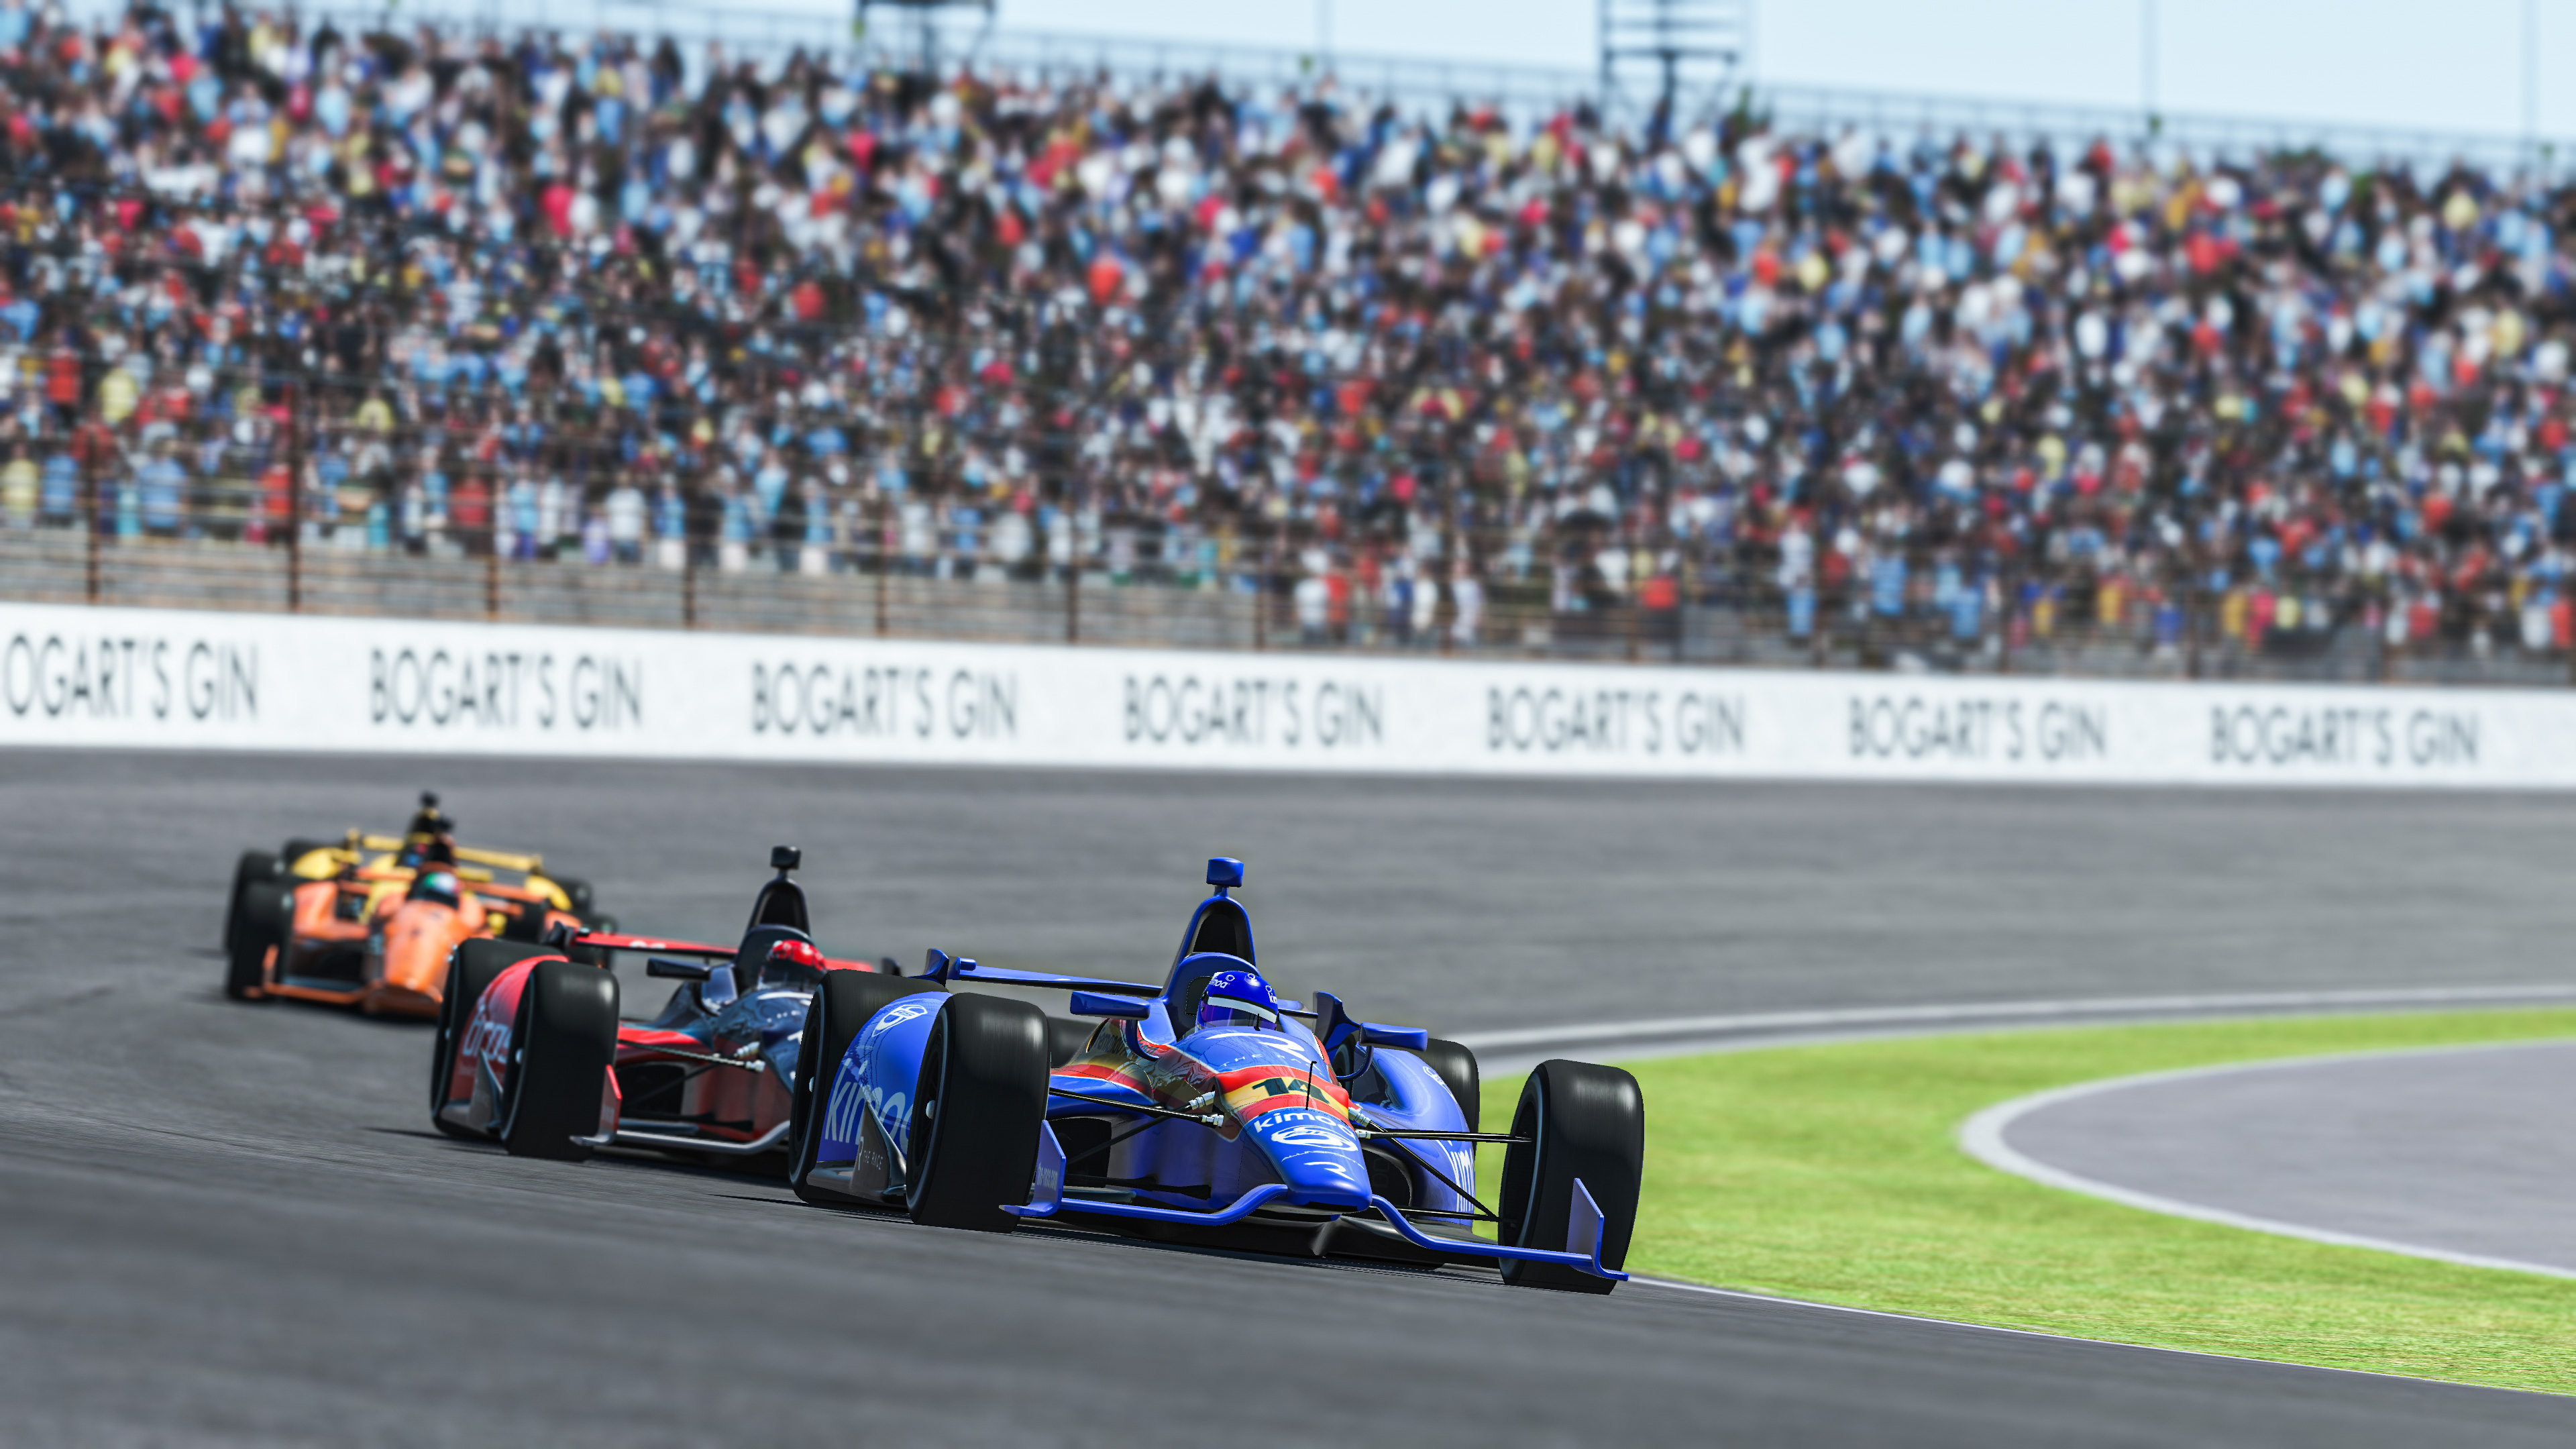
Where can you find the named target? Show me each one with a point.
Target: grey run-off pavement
(232, 1224)
(2455, 1153)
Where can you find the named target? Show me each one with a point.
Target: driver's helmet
(1239, 998)
(792, 964)
(437, 885)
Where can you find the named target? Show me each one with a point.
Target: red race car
(531, 1050)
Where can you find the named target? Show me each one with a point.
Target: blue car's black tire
(263, 914)
(471, 968)
(560, 1050)
(1587, 1122)
(976, 1111)
(1457, 1068)
(1067, 1038)
(840, 1009)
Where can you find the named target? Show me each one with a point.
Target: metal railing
(1420, 84)
(238, 546)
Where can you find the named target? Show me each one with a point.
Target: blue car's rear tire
(560, 1048)
(1067, 1038)
(1457, 1068)
(1583, 1121)
(840, 1009)
(976, 1111)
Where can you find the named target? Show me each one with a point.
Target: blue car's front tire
(840, 1010)
(981, 1098)
(1583, 1122)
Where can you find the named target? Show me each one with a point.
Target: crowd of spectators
(566, 298)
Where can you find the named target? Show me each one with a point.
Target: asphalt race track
(2458, 1152)
(232, 1224)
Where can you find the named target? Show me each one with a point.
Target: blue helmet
(1239, 998)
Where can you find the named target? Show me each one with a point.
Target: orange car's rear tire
(560, 1048)
(253, 867)
(262, 916)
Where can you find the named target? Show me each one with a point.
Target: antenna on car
(784, 858)
(1225, 872)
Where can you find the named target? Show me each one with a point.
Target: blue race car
(1204, 1109)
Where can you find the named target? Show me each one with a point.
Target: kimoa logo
(1313, 1135)
(849, 1094)
(841, 1115)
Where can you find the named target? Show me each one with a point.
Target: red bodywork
(721, 1101)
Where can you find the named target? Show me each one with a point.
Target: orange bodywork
(357, 940)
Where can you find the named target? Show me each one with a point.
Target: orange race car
(369, 922)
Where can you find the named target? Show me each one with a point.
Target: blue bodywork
(1161, 1119)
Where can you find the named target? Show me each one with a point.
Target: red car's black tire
(976, 1111)
(560, 1050)
(1586, 1122)
(841, 1007)
(471, 969)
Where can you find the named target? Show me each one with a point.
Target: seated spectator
(1939, 389)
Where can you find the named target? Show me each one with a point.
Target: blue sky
(2452, 66)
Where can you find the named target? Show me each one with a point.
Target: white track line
(1982, 1137)
(1934, 1016)
(1678, 1286)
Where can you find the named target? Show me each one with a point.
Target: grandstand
(304, 313)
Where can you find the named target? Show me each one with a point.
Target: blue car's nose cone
(1315, 1153)
(1271, 1083)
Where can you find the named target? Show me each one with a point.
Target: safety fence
(1247, 598)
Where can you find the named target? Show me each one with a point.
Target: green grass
(1834, 1173)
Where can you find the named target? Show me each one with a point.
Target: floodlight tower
(919, 50)
(1686, 45)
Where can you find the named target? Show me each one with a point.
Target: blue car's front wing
(1582, 1230)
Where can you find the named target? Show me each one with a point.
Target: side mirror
(678, 970)
(1412, 1038)
(1225, 873)
(1333, 1025)
(785, 857)
(1097, 1003)
(719, 989)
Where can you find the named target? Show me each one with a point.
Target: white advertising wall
(72, 676)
